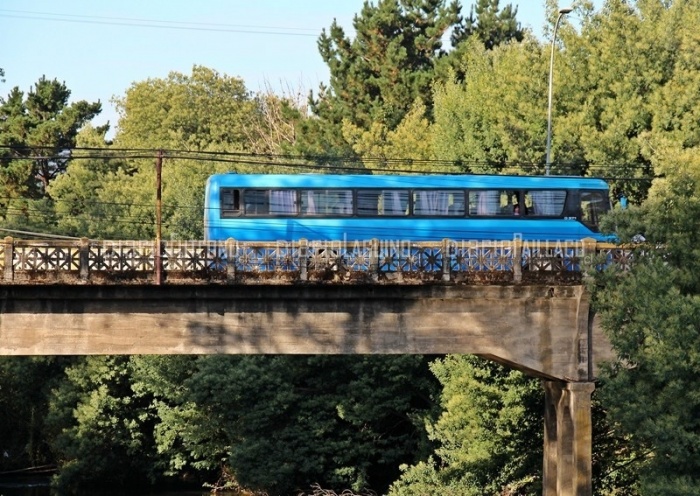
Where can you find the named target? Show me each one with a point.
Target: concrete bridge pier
(568, 433)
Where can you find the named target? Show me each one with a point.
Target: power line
(37, 234)
(159, 24)
(334, 163)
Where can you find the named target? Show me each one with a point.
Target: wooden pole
(158, 248)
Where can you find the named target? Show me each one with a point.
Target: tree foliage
(205, 112)
(493, 121)
(275, 424)
(489, 435)
(651, 312)
(376, 76)
(490, 25)
(98, 426)
(25, 383)
(342, 422)
(651, 316)
(41, 125)
(391, 65)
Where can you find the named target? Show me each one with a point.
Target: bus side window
(367, 202)
(493, 202)
(593, 205)
(394, 202)
(546, 203)
(230, 202)
(257, 202)
(438, 202)
(341, 202)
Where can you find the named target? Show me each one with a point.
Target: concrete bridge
(520, 304)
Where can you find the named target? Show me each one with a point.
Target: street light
(562, 13)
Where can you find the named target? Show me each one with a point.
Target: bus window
(493, 202)
(593, 205)
(441, 202)
(367, 202)
(271, 202)
(257, 202)
(283, 202)
(230, 202)
(394, 202)
(382, 202)
(329, 202)
(546, 203)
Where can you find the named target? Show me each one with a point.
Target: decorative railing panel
(90, 261)
(44, 257)
(118, 257)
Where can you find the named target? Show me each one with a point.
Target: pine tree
(42, 125)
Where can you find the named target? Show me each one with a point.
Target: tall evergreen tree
(491, 25)
(377, 76)
(487, 23)
(36, 135)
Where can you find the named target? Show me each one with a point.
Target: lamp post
(562, 13)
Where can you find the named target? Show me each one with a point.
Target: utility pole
(158, 248)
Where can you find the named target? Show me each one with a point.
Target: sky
(99, 48)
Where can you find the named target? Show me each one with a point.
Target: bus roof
(234, 180)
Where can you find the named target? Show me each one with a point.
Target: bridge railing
(232, 261)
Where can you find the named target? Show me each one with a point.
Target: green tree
(202, 112)
(489, 24)
(36, 136)
(494, 120)
(376, 77)
(102, 432)
(78, 206)
(406, 148)
(273, 423)
(189, 437)
(489, 434)
(489, 437)
(194, 119)
(651, 314)
(611, 74)
(342, 422)
(25, 389)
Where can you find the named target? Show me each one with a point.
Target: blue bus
(321, 207)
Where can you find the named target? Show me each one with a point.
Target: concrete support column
(568, 432)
